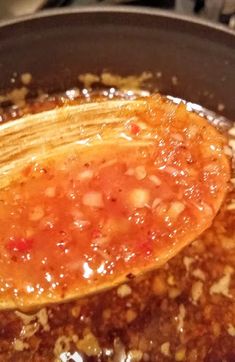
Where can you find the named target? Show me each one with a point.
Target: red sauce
(141, 323)
(88, 216)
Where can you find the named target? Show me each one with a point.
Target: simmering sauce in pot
(182, 312)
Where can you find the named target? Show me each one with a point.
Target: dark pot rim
(119, 10)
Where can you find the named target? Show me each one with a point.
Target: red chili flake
(21, 245)
(146, 247)
(96, 234)
(135, 129)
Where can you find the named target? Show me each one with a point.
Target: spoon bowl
(93, 194)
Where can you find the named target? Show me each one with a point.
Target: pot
(192, 59)
(189, 59)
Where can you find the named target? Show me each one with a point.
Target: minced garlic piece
(93, 199)
(231, 206)
(134, 356)
(124, 83)
(180, 354)
(89, 345)
(159, 286)
(139, 198)
(20, 345)
(75, 311)
(165, 349)
(26, 318)
(155, 180)
(113, 80)
(32, 322)
(29, 330)
(88, 79)
(227, 243)
(175, 209)
(196, 291)
(181, 316)
(62, 344)
(231, 132)
(187, 262)
(231, 330)
(140, 172)
(171, 280)
(198, 273)
(43, 319)
(26, 78)
(228, 151)
(16, 96)
(223, 284)
(124, 290)
(232, 144)
(130, 315)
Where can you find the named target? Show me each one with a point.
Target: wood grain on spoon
(93, 193)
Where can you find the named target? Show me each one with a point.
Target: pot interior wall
(56, 49)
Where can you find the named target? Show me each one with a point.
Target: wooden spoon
(93, 194)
